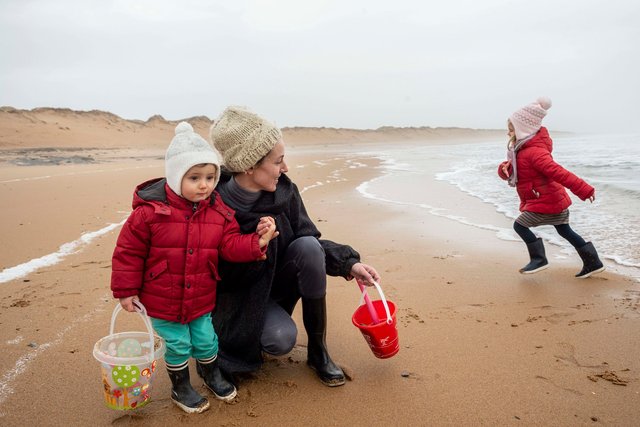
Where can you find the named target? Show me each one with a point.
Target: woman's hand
(592, 198)
(365, 273)
(127, 303)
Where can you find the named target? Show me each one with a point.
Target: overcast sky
(334, 63)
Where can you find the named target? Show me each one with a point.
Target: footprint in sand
(548, 381)
(558, 317)
(408, 315)
(630, 300)
(567, 354)
(21, 303)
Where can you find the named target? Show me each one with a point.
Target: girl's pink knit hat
(528, 120)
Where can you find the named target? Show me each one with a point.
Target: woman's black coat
(245, 288)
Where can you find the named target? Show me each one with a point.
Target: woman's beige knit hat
(243, 138)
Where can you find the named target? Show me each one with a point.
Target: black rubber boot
(314, 316)
(215, 380)
(591, 261)
(538, 259)
(183, 395)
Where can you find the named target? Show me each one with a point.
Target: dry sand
(480, 344)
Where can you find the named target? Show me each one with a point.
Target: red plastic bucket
(382, 336)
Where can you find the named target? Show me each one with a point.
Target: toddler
(167, 256)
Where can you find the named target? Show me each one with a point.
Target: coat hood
(541, 140)
(157, 192)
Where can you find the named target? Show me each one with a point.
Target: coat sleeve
(237, 247)
(545, 164)
(339, 258)
(129, 255)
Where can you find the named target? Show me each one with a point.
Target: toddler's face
(198, 183)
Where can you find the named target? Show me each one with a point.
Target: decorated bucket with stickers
(128, 361)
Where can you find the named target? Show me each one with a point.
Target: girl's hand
(127, 303)
(592, 198)
(505, 168)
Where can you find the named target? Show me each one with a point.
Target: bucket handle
(365, 296)
(142, 312)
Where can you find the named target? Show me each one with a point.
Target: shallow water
(608, 162)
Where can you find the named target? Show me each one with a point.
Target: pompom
(544, 102)
(183, 127)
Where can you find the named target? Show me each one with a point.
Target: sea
(610, 163)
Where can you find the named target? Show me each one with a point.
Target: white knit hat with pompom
(186, 150)
(528, 120)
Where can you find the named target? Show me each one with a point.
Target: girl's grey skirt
(534, 219)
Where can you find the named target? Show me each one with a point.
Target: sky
(334, 63)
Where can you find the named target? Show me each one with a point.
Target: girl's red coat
(541, 181)
(167, 253)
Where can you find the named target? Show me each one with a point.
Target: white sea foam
(16, 340)
(65, 250)
(334, 176)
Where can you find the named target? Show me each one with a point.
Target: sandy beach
(480, 343)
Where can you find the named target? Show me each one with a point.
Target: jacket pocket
(156, 271)
(158, 281)
(214, 271)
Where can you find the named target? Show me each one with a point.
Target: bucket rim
(364, 309)
(366, 301)
(145, 359)
(141, 311)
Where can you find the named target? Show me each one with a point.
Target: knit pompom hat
(186, 150)
(243, 138)
(528, 120)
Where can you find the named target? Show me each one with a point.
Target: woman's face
(264, 176)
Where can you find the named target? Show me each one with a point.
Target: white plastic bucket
(128, 361)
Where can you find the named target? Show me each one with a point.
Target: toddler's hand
(266, 230)
(265, 224)
(127, 303)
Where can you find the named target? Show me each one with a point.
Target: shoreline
(148, 158)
